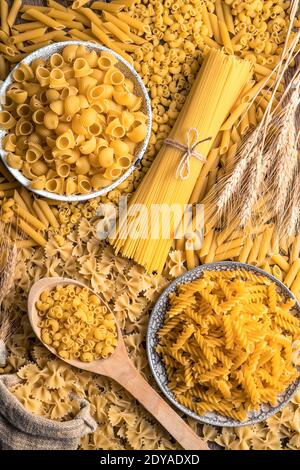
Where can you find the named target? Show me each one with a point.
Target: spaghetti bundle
(214, 92)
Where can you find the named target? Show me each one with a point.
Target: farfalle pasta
(76, 323)
(167, 60)
(227, 343)
(81, 118)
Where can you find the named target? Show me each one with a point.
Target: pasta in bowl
(75, 119)
(223, 344)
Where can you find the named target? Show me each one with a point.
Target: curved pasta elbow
(139, 133)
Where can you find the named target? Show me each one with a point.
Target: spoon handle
(128, 376)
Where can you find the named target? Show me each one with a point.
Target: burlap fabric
(21, 430)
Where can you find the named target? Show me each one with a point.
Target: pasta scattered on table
(167, 60)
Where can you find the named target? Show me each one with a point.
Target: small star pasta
(227, 343)
(76, 324)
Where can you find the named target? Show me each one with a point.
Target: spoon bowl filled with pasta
(75, 120)
(223, 344)
(78, 326)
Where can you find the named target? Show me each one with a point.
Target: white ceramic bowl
(140, 90)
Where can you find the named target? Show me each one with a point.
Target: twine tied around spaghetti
(189, 149)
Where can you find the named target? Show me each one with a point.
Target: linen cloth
(21, 430)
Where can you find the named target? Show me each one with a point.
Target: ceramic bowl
(157, 366)
(139, 89)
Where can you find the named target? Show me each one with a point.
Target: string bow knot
(189, 149)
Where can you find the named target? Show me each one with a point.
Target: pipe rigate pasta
(79, 108)
(76, 323)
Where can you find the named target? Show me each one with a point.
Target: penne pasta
(281, 261)
(239, 111)
(219, 10)
(107, 7)
(61, 15)
(117, 32)
(292, 273)
(40, 213)
(228, 19)
(11, 18)
(78, 4)
(92, 17)
(33, 221)
(56, 5)
(133, 22)
(81, 35)
(24, 227)
(215, 28)
(28, 26)
(19, 200)
(43, 18)
(206, 20)
(48, 213)
(12, 185)
(25, 243)
(101, 35)
(51, 36)
(80, 17)
(224, 33)
(29, 35)
(3, 16)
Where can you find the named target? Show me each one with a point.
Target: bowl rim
(47, 50)
(213, 418)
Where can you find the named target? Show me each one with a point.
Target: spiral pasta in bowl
(75, 119)
(223, 344)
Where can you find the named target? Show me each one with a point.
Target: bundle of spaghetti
(215, 90)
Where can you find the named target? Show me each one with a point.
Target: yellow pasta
(115, 20)
(11, 18)
(28, 35)
(73, 105)
(28, 230)
(133, 22)
(152, 254)
(281, 261)
(33, 221)
(117, 32)
(215, 28)
(76, 323)
(4, 15)
(292, 273)
(228, 18)
(110, 7)
(223, 344)
(224, 33)
(43, 18)
(265, 244)
(47, 212)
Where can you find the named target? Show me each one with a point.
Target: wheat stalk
(290, 221)
(237, 193)
(8, 260)
(283, 153)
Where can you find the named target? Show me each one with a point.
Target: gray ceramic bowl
(140, 90)
(157, 366)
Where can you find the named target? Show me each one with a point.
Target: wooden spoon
(119, 367)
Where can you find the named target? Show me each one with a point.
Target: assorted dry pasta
(228, 343)
(167, 54)
(76, 323)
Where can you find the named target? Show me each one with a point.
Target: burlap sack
(21, 430)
